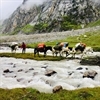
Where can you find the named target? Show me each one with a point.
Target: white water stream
(31, 73)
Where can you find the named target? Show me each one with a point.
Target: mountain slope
(52, 15)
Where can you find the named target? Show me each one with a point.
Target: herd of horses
(59, 49)
(63, 48)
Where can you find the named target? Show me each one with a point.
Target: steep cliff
(52, 15)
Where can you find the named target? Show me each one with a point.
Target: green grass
(31, 56)
(92, 39)
(31, 94)
(92, 24)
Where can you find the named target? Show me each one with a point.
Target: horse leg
(34, 54)
(67, 53)
(44, 54)
(38, 54)
(35, 51)
(56, 53)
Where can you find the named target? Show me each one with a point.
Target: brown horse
(57, 49)
(44, 50)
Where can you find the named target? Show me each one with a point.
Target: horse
(66, 50)
(14, 47)
(56, 50)
(87, 50)
(59, 47)
(44, 50)
(81, 50)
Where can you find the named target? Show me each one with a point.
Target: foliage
(68, 23)
(27, 29)
(65, 24)
(41, 27)
(16, 30)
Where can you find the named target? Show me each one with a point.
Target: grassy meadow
(89, 38)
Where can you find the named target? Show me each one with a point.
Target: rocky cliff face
(83, 11)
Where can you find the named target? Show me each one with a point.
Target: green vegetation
(68, 24)
(16, 30)
(31, 94)
(27, 29)
(31, 56)
(41, 27)
(92, 39)
(92, 24)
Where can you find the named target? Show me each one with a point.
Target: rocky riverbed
(44, 76)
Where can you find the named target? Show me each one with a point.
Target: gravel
(44, 37)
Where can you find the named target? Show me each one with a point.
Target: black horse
(14, 48)
(56, 49)
(44, 49)
(80, 48)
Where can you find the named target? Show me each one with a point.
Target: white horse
(66, 50)
(86, 51)
(73, 51)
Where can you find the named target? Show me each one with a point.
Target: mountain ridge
(52, 15)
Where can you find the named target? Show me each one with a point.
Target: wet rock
(86, 68)
(70, 73)
(7, 71)
(14, 65)
(57, 88)
(90, 74)
(35, 73)
(20, 79)
(31, 69)
(44, 67)
(91, 61)
(80, 68)
(50, 72)
(20, 70)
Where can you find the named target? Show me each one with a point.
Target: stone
(57, 88)
(90, 74)
(50, 72)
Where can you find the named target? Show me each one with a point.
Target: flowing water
(31, 73)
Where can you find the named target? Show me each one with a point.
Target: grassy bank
(31, 56)
(31, 94)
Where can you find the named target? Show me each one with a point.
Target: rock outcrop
(91, 61)
(51, 12)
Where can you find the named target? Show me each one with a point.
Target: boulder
(50, 72)
(95, 60)
(90, 74)
(57, 88)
